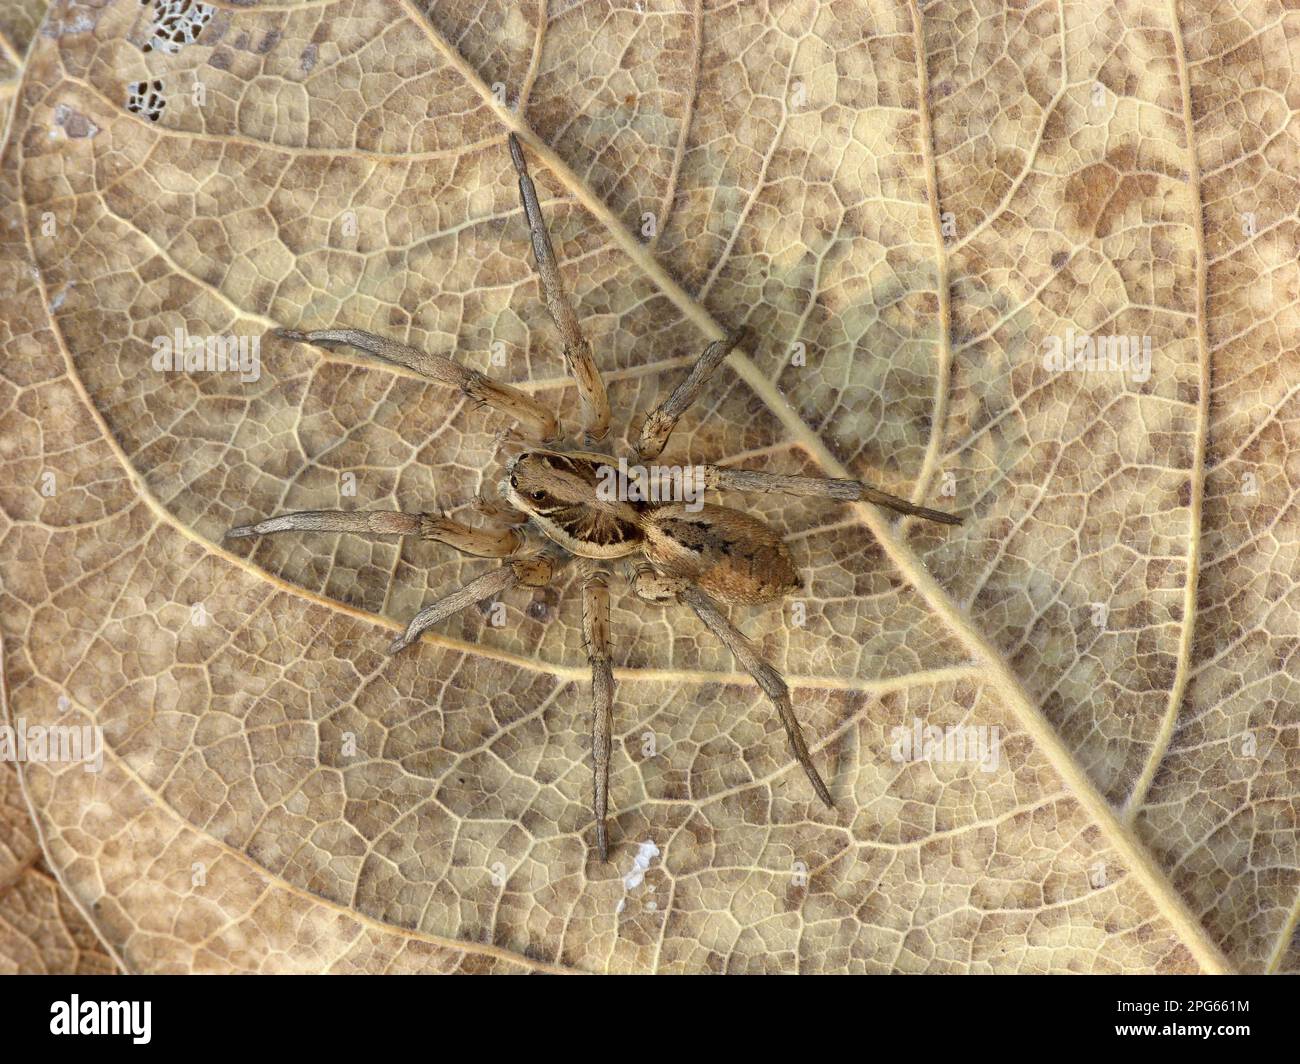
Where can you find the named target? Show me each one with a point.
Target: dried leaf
(41, 930)
(904, 207)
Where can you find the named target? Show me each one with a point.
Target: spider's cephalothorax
(686, 551)
(560, 492)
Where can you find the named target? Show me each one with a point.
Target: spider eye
(514, 482)
(537, 496)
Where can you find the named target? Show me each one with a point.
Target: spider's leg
(595, 631)
(480, 542)
(822, 487)
(536, 570)
(535, 419)
(497, 513)
(577, 351)
(655, 587)
(663, 418)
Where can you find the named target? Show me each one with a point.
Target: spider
(700, 555)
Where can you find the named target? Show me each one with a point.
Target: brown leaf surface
(41, 929)
(919, 198)
(18, 22)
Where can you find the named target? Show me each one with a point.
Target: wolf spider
(698, 557)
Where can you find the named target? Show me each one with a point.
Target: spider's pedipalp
(537, 570)
(577, 351)
(821, 487)
(497, 513)
(535, 419)
(661, 421)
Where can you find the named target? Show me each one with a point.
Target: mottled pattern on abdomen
(729, 554)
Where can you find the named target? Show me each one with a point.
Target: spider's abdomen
(728, 553)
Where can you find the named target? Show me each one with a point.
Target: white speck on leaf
(57, 300)
(645, 853)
